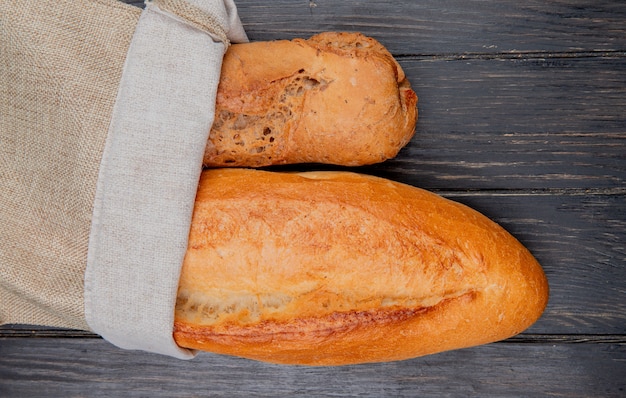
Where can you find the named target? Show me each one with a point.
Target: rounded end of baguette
(335, 268)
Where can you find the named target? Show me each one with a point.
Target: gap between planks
(513, 55)
(614, 191)
(524, 338)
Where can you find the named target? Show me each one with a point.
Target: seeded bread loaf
(336, 98)
(332, 268)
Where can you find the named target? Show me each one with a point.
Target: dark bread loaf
(336, 98)
(331, 268)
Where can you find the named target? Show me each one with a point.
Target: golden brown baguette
(336, 98)
(332, 268)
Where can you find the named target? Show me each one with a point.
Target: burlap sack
(104, 113)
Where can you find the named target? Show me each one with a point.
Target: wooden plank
(511, 161)
(430, 27)
(520, 94)
(92, 367)
(518, 123)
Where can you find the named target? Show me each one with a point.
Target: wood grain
(457, 27)
(87, 367)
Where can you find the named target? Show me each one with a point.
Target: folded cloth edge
(148, 178)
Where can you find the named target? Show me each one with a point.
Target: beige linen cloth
(105, 110)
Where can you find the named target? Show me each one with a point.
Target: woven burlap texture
(195, 16)
(60, 66)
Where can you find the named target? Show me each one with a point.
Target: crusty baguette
(336, 98)
(332, 268)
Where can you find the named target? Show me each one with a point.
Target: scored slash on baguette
(336, 98)
(333, 268)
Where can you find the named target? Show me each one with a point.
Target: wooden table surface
(522, 117)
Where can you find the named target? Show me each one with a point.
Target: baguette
(336, 98)
(334, 268)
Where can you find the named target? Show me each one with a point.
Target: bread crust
(334, 268)
(336, 98)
